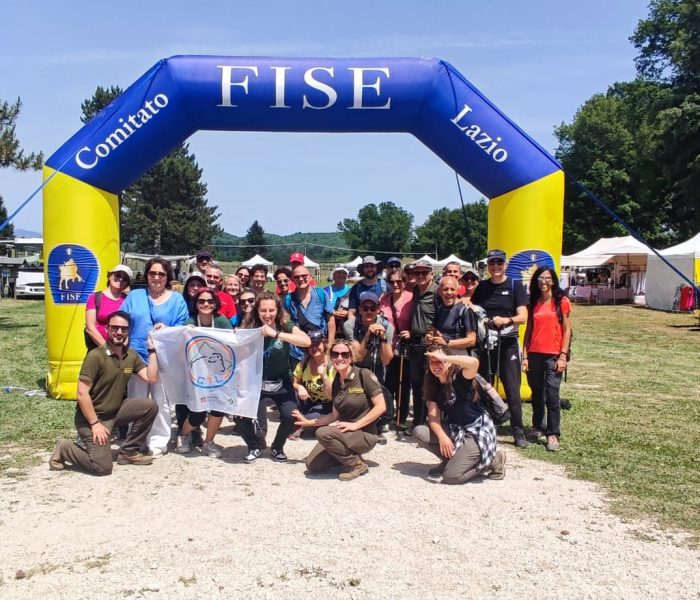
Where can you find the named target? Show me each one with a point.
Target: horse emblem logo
(211, 363)
(73, 271)
(69, 273)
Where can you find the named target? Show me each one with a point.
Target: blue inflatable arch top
(425, 97)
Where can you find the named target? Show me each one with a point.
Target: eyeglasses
(206, 301)
(343, 355)
(368, 307)
(283, 282)
(121, 276)
(248, 301)
(544, 279)
(470, 278)
(118, 328)
(157, 273)
(496, 261)
(396, 282)
(421, 273)
(302, 277)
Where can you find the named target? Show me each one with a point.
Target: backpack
(560, 317)
(89, 342)
(485, 337)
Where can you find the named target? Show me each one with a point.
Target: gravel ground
(193, 526)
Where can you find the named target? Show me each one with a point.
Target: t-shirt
(403, 307)
(220, 322)
(547, 333)
(501, 299)
(336, 295)
(276, 356)
(352, 399)
(463, 410)
(313, 382)
(378, 287)
(228, 306)
(454, 322)
(316, 311)
(424, 307)
(107, 307)
(108, 377)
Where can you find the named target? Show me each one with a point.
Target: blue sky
(537, 61)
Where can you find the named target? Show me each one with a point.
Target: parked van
(30, 283)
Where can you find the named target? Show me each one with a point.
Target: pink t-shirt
(107, 307)
(403, 306)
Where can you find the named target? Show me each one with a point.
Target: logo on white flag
(211, 363)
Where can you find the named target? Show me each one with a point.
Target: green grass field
(633, 428)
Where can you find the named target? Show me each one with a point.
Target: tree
(255, 239)
(11, 155)
(385, 228)
(444, 231)
(166, 210)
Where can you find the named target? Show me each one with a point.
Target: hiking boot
(56, 462)
(381, 439)
(360, 468)
(553, 443)
(278, 455)
(498, 466)
(252, 455)
(211, 449)
(137, 458)
(435, 474)
(157, 452)
(519, 437)
(197, 440)
(184, 445)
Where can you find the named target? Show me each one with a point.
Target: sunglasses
(497, 261)
(303, 277)
(117, 328)
(248, 301)
(470, 279)
(205, 301)
(368, 307)
(544, 279)
(156, 273)
(343, 355)
(283, 282)
(396, 282)
(121, 276)
(422, 273)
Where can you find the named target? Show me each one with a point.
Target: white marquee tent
(256, 260)
(662, 281)
(453, 258)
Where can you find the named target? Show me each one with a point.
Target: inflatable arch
(180, 95)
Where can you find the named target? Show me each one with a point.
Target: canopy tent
(310, 264)
(430, 259)
(451, 259)
(353, 264)
(662, 281)
(610, 250)
(256, 260)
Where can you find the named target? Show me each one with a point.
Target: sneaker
(252, 455)
(278, 455)
(197, 440)
(184, 445)
(157, 452)
(381, 439)
(211, 449)
(135, 459)
(56, 462)
(435, 474)
(535, 434)
(553, 443)
(360, 468)
(519, 437)
(498, 466)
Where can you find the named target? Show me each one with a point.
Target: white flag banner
(211, 369)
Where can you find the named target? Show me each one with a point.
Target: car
(30, 283)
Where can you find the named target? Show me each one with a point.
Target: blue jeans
(544, 383)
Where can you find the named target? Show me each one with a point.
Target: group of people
(341, 362)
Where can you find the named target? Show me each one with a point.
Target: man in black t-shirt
(505, 303)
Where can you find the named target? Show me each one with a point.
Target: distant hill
(27, 233)
(321, 247)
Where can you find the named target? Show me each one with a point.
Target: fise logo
(522, 265)
(73, 272)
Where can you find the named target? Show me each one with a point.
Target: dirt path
(193, 527)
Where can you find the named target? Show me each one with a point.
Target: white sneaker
(157, 452)
(211, 449)
(184, 444)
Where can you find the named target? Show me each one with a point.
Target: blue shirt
(378, 287)
(145, 314)
(318, 310)
(336, 295)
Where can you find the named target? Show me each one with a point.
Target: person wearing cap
(370, 282)
(296, 259)
(102, 304)
(424, 308)
(337, 292)
(193, 284)
(393, 265)
(214, 276)
(470, 280)
(203, 260)
(505, 302)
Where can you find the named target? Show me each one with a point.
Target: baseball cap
(316, 336)
(296, 257)
(196, 275)
(422, 263)
(470, 271)
(394, 260)
(369, 296)
(123, 269)
(343, 269)
(500, 254)
(203, 255)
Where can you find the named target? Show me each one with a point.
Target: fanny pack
(272, 385)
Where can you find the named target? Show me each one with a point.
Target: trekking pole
(498, 360)
(398, 407)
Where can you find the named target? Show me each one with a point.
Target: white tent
(453, 258)
(353, 264)
(256, 260)
(430, 259)
(308, 263)
(609, 250)
(662, 281)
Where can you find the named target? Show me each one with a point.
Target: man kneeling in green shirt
(102, 405)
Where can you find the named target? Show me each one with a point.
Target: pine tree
(255, 239)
